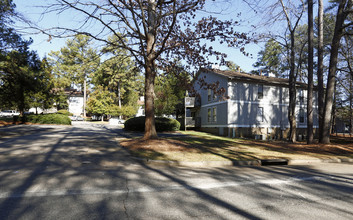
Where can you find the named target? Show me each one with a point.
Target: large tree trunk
(331, 78)
(150, 75)
(292, 75)
(150, 128)
(292, 94)
(320, 69)
(310, 134)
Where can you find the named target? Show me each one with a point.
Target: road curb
(330, 160)
(277, 162)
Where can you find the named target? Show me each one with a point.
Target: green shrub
(64, 112)
(48, 119)
(162, 124)
(7, 119)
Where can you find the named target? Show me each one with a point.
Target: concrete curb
(309, 161)
(273, 162)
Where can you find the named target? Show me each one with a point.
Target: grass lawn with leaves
(199, 146)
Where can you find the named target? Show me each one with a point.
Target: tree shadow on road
(72, 173)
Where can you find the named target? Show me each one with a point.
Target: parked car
(116, 121)
(73, 117)
(9, 113)
(76, 118)
(79, 118)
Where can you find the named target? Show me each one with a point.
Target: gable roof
(246, 77)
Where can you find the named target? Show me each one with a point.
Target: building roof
(73, 92)
(246, 77)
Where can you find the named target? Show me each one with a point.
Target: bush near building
(162, 124)
(46, 119)
(64, 112)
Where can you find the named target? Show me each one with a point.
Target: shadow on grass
(236, 149)
(187, 146)
(338, 147)
(228, 149)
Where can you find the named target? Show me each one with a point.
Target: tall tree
(101, 101)
(171, 89)
(77, 61)
(153, 32)
(345, 79)
(43, 97)
(118, 73)
(233, 66)
(310, 134)
(292, 24)
(271, 58)
(9, 39)
(344, 9)
(320, 66)
(19, 72)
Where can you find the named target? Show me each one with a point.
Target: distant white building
(44, 111)
(141, 110)
(75, 101)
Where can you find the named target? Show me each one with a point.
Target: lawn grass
(200, 146)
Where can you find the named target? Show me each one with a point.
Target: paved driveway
(80, 145)
(79, 172)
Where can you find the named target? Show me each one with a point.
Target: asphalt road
(80, 172)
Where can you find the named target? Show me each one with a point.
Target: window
(301, 96)
(214, 114)
(209, 115)
(260, 91)
(209, 94)
(260, 114)
(301, 116)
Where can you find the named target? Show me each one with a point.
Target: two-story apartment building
(251, 105)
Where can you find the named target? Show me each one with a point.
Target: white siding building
(250, 105)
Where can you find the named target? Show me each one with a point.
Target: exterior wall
(243, 106)
(221, 114)
(76, 105)
(210, 78)
(239, 115)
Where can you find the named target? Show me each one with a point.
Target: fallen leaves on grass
(217, 148)
(303, 148)
(157, 145)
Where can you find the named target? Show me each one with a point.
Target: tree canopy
(153, 32)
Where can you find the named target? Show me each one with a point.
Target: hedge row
(64, 112)
(162, 124)
(46, 119)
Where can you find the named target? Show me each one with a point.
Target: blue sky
(224, 10)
